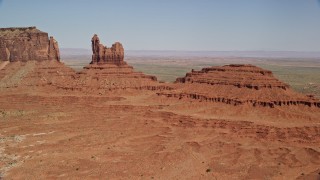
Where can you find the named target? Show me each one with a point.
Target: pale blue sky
(218, 25)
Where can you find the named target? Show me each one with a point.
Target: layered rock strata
(114, 77)
(236, 85)
(25, 44)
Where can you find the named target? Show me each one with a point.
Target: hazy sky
(173, 24)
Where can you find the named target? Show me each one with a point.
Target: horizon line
(208, 50)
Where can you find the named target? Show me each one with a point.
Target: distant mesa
(25, 44)
(239, 75)
(238, 84)
(104, 55)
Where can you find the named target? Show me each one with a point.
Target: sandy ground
(3, 64)
(139, 137)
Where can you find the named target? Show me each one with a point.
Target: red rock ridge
(25, 44)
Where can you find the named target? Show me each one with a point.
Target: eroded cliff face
(25, 44)
(104, 55)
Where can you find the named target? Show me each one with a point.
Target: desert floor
(141, 136)
(50, 133)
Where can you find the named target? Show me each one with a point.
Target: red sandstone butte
(108, 70)
(25, 44)
(102, 54)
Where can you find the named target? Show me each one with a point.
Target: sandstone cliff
(24, 44)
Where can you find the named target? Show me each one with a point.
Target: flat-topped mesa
(239, 75)
(25, 44)
(104, 55)
(238, 84)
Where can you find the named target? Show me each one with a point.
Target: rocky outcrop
(238, 85)
(25, 44)
(104, 55)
